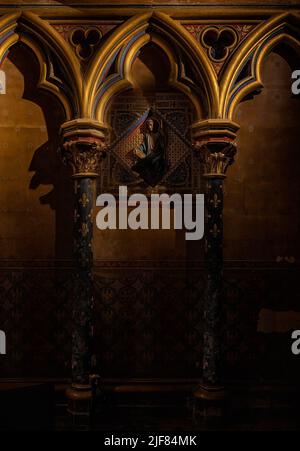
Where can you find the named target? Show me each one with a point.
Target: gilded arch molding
(86, 94)
(51, 51)
(109, 90)
(132, 35)
(8, 34)
(281, 28)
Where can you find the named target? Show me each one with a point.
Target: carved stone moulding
(214, 130)
(83, 146)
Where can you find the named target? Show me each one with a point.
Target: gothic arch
(176, 78)
(59, 68)
(243, 75)
(8, 35)
(125, 43)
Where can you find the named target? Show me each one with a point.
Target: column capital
(217, 157)
(83, 146)
(214, 140)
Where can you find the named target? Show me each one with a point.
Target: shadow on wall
(262, 189)
(262, 223)
(46, 163)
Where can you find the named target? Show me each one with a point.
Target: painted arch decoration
(86, 94)
(243, 74)
(122, 49)
(59, 70)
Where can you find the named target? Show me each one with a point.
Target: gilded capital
(214, 141)
(83, 157)
(217, 157)
(83, 147)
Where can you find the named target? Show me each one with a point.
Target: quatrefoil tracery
(219, 42)
(85, 41)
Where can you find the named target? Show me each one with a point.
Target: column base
(210, 401)
(80, 404)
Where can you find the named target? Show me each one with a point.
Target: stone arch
(243, 75)
(59, 70)
(109, 71)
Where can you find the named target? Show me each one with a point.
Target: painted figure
(150, 155)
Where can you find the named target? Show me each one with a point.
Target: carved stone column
(214, 142)
(82, 149)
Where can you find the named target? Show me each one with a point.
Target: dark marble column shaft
(216, 156)
(83, 155)
(83, 293)
(214, 281)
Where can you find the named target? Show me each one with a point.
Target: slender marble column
(83, 153)
(216, 155)
(83, 156)
(83, 305)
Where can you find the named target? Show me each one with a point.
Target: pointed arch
(281, 29)
(124, 44)
(115, 84)
(59, 69)
(8, 34)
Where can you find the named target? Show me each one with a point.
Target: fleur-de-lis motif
(84, 229)
(215, 201)
(84, 200)
(215, 231)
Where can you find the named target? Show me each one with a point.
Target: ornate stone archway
(215, 75)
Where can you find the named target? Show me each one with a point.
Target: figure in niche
(150, 156)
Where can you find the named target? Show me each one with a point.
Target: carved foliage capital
(83, 156)
(217, 157)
